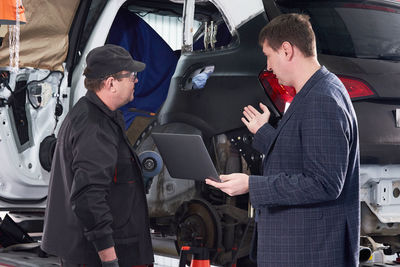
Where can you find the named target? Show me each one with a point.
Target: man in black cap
(97, 211)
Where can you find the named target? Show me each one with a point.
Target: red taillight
(356, 88)
(371, 7)
(278, 93)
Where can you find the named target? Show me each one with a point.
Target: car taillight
(356, 88)
(371, 7)
(279, 94)
(282, 95)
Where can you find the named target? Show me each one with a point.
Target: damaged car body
(201, 87)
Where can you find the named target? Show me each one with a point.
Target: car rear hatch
(359, 42)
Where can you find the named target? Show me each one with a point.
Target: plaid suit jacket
(307, 201)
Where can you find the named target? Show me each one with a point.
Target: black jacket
(96, 195)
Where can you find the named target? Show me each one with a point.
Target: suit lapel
(297, 100)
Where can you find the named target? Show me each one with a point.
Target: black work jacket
(96, 195)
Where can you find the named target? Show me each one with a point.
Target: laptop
(185, 156)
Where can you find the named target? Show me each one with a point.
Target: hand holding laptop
(186, 157)
(232, 184)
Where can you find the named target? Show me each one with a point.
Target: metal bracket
(206, 36)
(213, 34)
(188, 20)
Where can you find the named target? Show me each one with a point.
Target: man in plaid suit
(307, 200)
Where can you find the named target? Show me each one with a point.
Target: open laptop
(185, 156)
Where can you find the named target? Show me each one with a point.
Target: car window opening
(155, 36)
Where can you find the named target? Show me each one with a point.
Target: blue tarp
(144, 44)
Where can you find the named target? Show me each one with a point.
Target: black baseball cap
(109, 59)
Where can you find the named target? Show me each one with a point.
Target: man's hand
(254, 120)
(107, 254)
(232, 184)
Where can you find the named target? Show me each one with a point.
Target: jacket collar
(296, 102)
(311, 82)
(115, 115)
(305, 90)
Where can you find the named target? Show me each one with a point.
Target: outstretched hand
(232, 184)
(253, 119)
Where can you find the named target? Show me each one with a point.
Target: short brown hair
(95, 85)
(293, 28)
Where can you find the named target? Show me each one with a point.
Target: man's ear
(288, 49)
(109, 84)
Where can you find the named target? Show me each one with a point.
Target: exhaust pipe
(365, 254)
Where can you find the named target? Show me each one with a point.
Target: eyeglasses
(132, 76)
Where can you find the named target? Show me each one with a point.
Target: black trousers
(65, 263)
